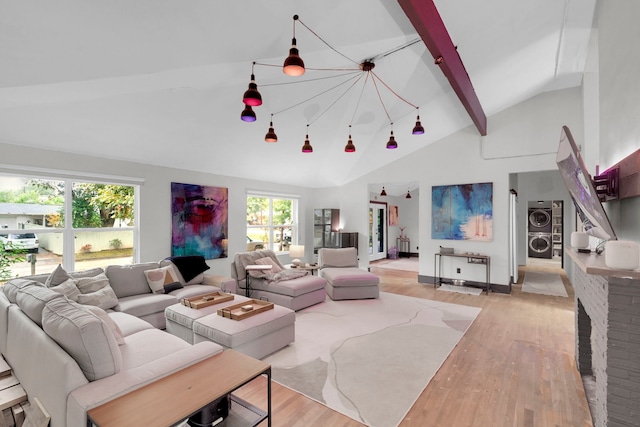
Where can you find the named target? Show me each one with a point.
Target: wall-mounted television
(578, 181)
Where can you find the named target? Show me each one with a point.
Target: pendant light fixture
(271, 134)
(349, 148)
(418, 129)
(293, 65)
(392, 144)
(307, 148)
(383, 192)
(251, 96)
(248, 115)
(408, 196)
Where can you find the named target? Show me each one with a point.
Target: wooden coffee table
(174, 398)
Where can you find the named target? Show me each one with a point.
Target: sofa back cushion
(32, 299)
(128, 280)
(12, 287)
(340, 257)
(242, 259)
(84, 336)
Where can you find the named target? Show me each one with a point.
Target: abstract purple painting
(199, 220)
(462, 212)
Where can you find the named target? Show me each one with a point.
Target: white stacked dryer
(540, 241)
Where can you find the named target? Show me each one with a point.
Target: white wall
(619, 91)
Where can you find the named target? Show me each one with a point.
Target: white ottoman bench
(256, 336)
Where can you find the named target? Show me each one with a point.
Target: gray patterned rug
(370, 359)
(538, 282)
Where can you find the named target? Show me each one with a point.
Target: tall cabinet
(556, 229)
(326, 223)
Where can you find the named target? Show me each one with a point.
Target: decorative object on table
(622, 254)
(296, 252)
(242, 311)
(462, 212)
(206, 300)
(579, 240)
(446, 251)
(393, 215)
(199, 220)
(402, 236)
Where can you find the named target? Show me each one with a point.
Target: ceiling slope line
(426, 19)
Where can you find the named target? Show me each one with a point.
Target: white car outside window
(27, 241)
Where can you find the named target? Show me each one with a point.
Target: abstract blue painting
(462, 212)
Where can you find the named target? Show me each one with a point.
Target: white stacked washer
(540, 242)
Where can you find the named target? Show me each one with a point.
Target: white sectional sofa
(76, 340)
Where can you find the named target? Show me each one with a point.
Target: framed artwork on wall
(462, 212)
(393, 215)
(199, 220)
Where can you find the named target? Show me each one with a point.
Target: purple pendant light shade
(350, 148)
(307, 148)
(392, 144)
(293, 65)
(248, 115)
(271, 134)
(418, 129)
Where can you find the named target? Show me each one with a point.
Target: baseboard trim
(499, 289)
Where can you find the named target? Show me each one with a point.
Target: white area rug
(407, 264)
(537, 282)
(370, 359)
(460, 289)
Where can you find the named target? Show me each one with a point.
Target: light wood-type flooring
(515, 366)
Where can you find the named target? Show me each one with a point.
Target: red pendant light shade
(293, 65)
(307, 148)
(383, 192)
(349, 148)
(251, 96)
(271, 134)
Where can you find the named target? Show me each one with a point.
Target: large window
(272, 222)
(72, 222)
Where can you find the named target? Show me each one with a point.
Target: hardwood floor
(515, 366)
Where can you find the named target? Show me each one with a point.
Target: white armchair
(345, 280)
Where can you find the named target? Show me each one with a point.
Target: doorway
(377, 231)
(544, 232)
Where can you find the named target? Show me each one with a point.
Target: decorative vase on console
(402, 236)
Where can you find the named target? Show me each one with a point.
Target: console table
(172, 399)
(471, 259)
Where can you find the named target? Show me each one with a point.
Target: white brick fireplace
(608, 338)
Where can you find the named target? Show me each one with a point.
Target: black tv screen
(578, 181)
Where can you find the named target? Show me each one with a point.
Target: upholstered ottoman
(256, 336)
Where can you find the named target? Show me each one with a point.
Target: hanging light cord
(328, 45)
(359, 99)
(352, 77)
(391, 90)
(336, 100)
(295, 82)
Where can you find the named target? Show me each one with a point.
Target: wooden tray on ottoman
(237, 312)
(206, 299)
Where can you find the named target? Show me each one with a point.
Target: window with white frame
(272, 222)
(76, 222)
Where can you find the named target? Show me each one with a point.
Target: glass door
(377, 231)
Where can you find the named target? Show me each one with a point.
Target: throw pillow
(104, 298)
(158, 277)
(57, 277)
(269, 261)
(111, 324)
(189, 266)
(68, 288)
(87, 285)
(172, 287)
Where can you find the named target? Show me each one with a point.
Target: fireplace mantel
(594, 264)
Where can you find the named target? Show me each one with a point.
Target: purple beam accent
(427, 21)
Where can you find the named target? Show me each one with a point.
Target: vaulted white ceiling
(161, 81)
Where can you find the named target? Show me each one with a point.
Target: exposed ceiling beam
(427, 21)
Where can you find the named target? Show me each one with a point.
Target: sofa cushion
(293, 288)
(129, 324)
(157, 278)
(189, 267)
(344, 277)
(104, 298)
(67, 288)
(12, 287)
(32, 299)
(87, 285)
(84, 336)
(145, 304)
(337, 257)
(128, 280)
(59, 275)
(111, 324)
